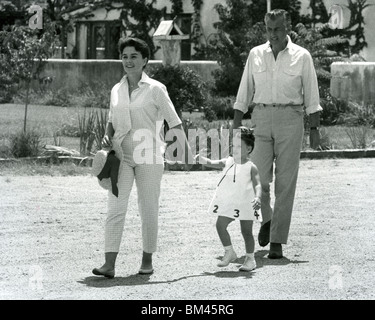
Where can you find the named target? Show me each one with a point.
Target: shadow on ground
(262, 260)
(138, 279)
(131, 280)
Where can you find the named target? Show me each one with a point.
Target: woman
(139, 105)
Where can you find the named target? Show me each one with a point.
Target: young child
(237, 196)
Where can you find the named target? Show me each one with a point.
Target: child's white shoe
(248, 265)
(229, 256)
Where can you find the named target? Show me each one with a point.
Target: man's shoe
(108, 274)
(248, 265)
(229, 256)
(264, 234)
(276, 251)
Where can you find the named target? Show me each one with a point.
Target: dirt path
(51, 236)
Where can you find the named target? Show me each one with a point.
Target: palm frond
(331, 41)
(301, 29)
(321, 73)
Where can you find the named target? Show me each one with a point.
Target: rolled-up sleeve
(245, 92)
(110, 113)
(310, 86)
(165, 106)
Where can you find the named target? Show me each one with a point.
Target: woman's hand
(106, 142)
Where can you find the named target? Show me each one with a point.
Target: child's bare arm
(211, 163)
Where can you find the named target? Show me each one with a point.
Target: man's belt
(274, 105)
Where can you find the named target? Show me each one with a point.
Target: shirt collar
(288, 45)
(144, 79)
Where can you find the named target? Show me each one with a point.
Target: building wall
(354, 81)
(209, 16)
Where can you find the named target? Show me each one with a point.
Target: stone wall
(354, 81)
(71, 73)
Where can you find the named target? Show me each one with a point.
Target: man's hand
(314, 138)
(314, 130)
(238, 115)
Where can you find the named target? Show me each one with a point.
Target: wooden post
(169, 35)
(171, 52)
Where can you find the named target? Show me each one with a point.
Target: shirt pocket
(291, 75)
(291, 81)
(259, 74)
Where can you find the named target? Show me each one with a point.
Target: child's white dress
(235, 193)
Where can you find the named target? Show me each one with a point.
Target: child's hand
(256, 203)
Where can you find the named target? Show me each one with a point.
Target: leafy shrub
(89, 96)
(360, 115)
(61, 97)
(185, 87)
(333, 110)
(209, 113)
(25, 144)
(69, 130)
(7, 84)
(358, 136)
(91, 128)
(86, 124)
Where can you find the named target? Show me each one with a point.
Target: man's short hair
(276, 13)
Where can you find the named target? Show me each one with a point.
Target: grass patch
(340, 139)
(35, 168)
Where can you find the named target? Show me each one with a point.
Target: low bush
(222, 106)
(61, 97)
(186, 88)
(25, 144)
(97, 96)
(91, 126)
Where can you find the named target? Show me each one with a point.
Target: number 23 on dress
(234, 193)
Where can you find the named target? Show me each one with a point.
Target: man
(280, 79)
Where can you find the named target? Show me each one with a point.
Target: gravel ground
(51, 237)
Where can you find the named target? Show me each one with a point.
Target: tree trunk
(62, 40)
(26, 104)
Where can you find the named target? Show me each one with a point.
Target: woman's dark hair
(138, 44)
(247, 136)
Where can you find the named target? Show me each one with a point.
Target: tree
(24, 53)
(146, 17)
(258, 9)
(231, 44)
(322, 50)
(240, 28)
(355, 29)
(319, 14)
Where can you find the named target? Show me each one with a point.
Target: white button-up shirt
(290, 79)
(146, 108)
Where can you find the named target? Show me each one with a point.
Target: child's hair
(247, 136)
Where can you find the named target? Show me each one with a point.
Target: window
(102, 40)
